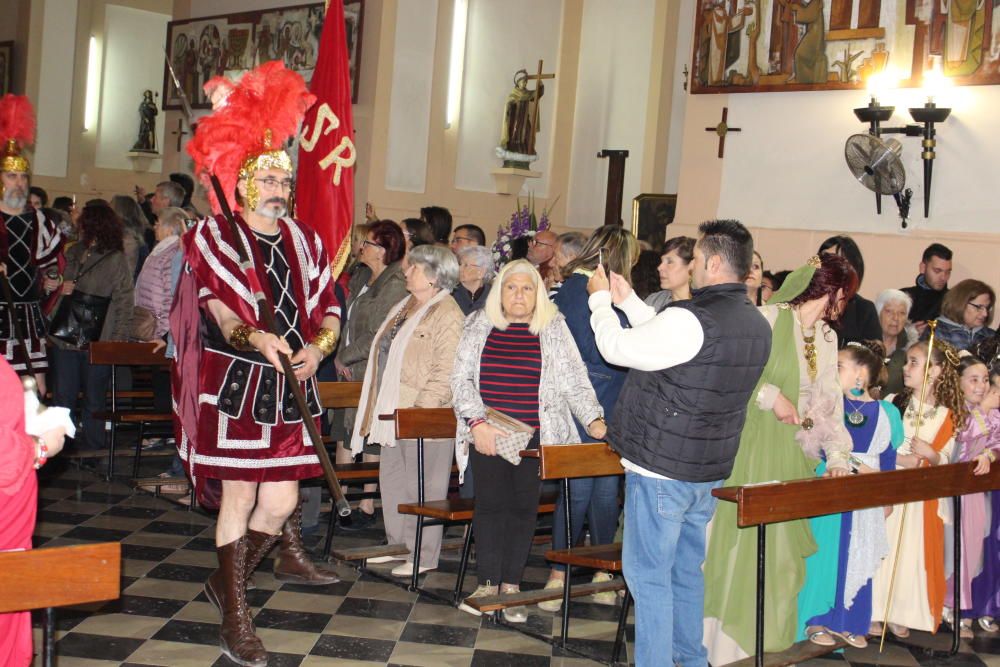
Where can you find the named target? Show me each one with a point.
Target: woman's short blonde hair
(545, 311)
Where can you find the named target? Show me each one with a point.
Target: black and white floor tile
(163, 618)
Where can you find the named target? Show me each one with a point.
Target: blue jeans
(662, 556)
(591, 498)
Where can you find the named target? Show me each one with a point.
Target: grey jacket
(564, 389)
(110, 278)
(367, 312)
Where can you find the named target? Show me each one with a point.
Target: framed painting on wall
(651, 213)
(231, 44)
(6, 67)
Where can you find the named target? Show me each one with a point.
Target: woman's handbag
(79, 317)
(143, 324)
(509, 447)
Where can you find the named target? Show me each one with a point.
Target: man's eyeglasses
(273, 183)
(461, 239)
(535, 241)
(980, 307)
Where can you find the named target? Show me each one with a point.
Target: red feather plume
(267, 98)
(17, 120)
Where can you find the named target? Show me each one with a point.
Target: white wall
(685, 40)
(787, 169)
(55, 87)
(611, 97)
(498, 43)
(410, 104)
(130, 67)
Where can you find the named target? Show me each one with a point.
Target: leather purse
(509, 447)
(79, 317)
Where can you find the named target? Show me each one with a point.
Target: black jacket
(684, 422)
(926, 301)
(858, 322)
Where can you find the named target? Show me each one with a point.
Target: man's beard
(15, 199)
(266, 208)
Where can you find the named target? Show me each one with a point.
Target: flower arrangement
(523, 223)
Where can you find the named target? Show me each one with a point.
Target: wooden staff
(902, 519)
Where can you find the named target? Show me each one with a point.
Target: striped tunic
(509, 373)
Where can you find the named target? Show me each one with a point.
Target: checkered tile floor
(164, 619)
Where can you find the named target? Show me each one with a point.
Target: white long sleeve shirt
(655, 341)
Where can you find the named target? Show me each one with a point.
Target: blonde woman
(515, 355)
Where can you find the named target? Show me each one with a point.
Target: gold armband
(239, 338)
(324, 341)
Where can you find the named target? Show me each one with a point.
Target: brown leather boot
(225, 589)
(292, 562)
(258, 546)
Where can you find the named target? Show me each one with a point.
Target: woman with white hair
(518, 357)
(892, 306)
(475, 275)
(410, 366)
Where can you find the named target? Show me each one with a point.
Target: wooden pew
(763, 504)
(117, 354)
(57, 577)
(566, 462)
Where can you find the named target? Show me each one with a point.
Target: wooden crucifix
(180, 133)
(537, 78)
(722, 129)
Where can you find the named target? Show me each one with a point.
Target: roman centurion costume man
(236, 416)
(29, 243)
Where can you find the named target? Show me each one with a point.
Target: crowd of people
(698, 364)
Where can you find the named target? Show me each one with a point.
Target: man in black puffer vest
(677, 427)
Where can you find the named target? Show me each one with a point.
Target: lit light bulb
(935, 83)
(881, 82)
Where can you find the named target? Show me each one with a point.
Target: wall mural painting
(232, 44)
(781, 45)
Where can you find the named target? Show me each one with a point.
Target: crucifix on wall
(722, 129)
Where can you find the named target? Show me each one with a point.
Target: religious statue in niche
(521, 120)
(146, 142)
(784, 45)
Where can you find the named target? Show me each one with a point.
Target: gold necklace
(911, 414)
(809, 352)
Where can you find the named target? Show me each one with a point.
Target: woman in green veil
(795, 418)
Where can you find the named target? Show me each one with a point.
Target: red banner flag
(325, 188)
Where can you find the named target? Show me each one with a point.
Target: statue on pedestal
(521, 120)
(146, 142)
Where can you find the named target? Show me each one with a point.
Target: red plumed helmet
(248, 127)
(17, 130)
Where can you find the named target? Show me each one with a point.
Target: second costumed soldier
(238, 421)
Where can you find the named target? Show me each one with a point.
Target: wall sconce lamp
(925, 117)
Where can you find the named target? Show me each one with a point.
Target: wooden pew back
(59, 576)
(333, 395)
(117, 353)
(589, 459)
(429, 423)
(800, 499)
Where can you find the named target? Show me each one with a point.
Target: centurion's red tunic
(236, 417)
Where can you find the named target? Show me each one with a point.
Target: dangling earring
(857, 391)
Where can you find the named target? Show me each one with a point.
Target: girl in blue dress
(836, 600)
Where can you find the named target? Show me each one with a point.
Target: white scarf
(380, 431)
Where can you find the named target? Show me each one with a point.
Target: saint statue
(146, 142)
(517, 138)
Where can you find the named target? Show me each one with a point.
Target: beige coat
(425, 377)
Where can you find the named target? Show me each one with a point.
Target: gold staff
(902, 519)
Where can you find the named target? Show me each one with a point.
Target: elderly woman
(755, 279)
(475, 275)
(369, 303)
(409, 366)
(96, 267)
(154, 290)
(893, 305)
(966, 315)
(593, 498)
(568, 246)
(516, 356)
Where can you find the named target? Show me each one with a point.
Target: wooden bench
(566, 462)
(762, 504)
(116, 354)
(57, 577)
